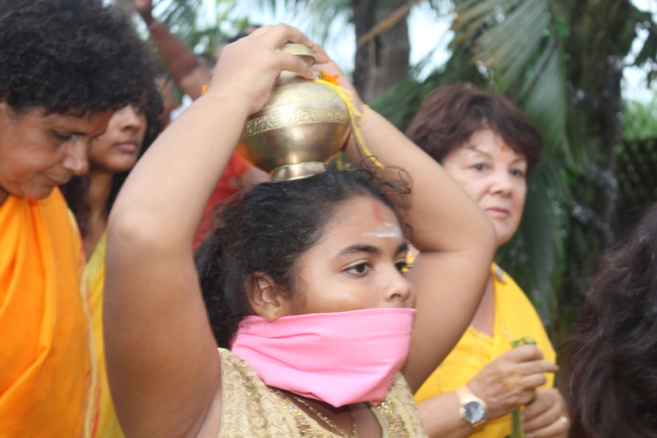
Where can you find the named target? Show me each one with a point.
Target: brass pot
(302, 126)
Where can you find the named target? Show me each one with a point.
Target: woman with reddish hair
(489, 148)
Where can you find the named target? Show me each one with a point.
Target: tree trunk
(383, 60)
(604, 31)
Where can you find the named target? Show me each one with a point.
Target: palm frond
(545, 101)
(518, 44)
(323, 19)
(180, 15)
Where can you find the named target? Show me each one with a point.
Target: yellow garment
(251, 409)
(515, 317)
(108, 424)
(47, 378)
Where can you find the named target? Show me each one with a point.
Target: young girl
(306, 275)
(129, 132)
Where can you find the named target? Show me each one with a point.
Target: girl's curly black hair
(70, 57)
(268, 229)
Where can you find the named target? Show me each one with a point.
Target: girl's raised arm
(456, 242)
(163, 364)
(455, 238)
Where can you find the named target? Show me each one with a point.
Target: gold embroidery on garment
(250, 409)
(332, 424)
(307, 427)
(390, 420)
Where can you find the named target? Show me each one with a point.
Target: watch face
(474, 411)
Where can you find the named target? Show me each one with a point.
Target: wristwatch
(472, 409)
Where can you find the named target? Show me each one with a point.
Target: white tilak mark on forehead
(387, 230)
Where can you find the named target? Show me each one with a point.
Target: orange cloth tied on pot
(48, 381)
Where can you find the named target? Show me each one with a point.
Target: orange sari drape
(48, 382)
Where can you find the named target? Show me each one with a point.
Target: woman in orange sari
(61, 76)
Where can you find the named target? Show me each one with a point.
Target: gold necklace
(331, 423)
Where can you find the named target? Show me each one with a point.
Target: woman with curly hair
(65, 66)
(610, 381)
(306, 277)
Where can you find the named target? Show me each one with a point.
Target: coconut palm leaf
(517, 42)
(323, 19)
(181, 16)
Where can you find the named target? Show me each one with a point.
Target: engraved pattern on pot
(297, 117)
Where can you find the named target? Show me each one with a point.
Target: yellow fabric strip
(347, 97)
(108, 423)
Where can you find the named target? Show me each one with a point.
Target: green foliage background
(561, 62)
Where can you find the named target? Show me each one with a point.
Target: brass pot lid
(299, 50)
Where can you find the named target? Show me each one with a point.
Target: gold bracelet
(363, 117)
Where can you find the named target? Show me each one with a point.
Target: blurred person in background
(90, 197)
(192, 72)
(610, 378)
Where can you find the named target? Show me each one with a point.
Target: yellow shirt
(515, 317)
(108, 424)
